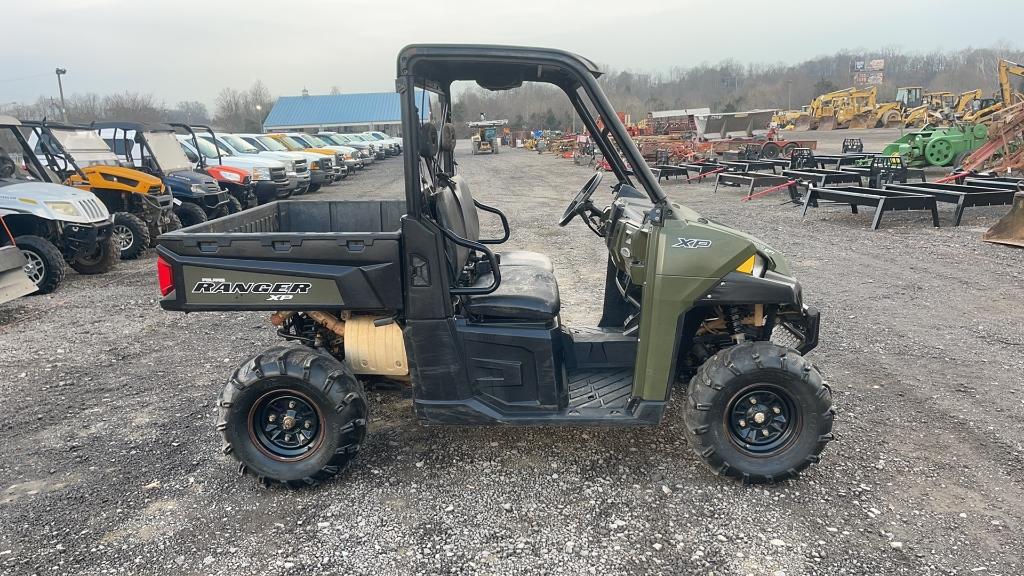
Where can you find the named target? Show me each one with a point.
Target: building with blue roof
(339, 113)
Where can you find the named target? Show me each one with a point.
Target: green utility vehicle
(409, 291)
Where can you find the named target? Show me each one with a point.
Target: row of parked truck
(88, 196)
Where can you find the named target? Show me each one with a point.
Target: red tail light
(166, 276)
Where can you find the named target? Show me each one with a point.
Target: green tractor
(931, 146)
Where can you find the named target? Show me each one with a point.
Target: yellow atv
(76, 156)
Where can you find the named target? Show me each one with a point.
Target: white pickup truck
(269, 175)
(297, 164)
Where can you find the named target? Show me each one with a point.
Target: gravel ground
(113, 465)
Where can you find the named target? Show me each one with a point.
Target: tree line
(730, 86)
(235, 110)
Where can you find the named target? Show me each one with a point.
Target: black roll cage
(140, 129)
(434, 67)
(190, 128)
(43, 128)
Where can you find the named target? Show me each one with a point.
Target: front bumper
(269, 190)
(79, 237)
(213, 200)
(321, 177)
(802, 327)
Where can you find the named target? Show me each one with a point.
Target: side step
(600, 390)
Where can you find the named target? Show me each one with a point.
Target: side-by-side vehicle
(411, 291)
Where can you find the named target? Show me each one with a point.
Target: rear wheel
(102, 257)
(313, 188)
(131, 235)
(44, 265)
(292, 415)
(770, 150)
(758, 412)
(788, 149)
(189, 214)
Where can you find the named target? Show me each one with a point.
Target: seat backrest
(449, 215)
(460, 189)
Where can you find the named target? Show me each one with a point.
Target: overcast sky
(188, 49)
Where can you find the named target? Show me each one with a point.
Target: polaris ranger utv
(409, 291)
(154, 148)
(78, 157)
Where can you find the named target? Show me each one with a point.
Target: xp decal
(691, 243)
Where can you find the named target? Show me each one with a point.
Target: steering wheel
(582, 200)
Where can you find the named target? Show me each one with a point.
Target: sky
(190, 50)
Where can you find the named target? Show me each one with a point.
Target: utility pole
(60, 86)
(789, 95)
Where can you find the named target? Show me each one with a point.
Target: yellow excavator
(858, 109)
(983, 108)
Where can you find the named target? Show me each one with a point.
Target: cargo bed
(289, 255)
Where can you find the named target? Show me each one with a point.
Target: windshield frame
(82, 157)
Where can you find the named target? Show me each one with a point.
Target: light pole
(259, 121)
(60, 86)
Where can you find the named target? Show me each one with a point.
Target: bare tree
(132, 106)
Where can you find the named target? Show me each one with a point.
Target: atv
(409, 291)
(154, 149)
(53, 225)
(78, 157)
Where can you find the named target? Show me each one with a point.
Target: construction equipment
(1004, 151)
(945, 146)
(984, 108)
(1010, 228)
(485, 136)
(857, 110)
(821, 113)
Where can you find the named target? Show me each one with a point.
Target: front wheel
(44, 264)
(292, 415)
(234, 205)
(100, 258)
(131, 235)
(758, 412)
(190, 214)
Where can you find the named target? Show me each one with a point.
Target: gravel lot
(112, 464)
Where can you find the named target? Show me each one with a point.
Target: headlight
(756, 265)
(314, 165)
(347, 156)
(63, 208)
(198, 189)
(231, 176)
(260, 173)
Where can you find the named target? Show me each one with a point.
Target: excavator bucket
(827, 123)
(862, 120)
(1010, 228)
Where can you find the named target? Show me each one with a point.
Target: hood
(250, 161)
(99, 175)
(42, 191)
(190, 177)
(227, 173)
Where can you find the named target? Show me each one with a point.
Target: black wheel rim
(762, 419)
(285, 425)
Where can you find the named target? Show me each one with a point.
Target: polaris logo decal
(691, 243)
(274, 291)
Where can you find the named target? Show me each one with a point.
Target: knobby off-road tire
(155, 230)
(189, 214)
(99, 259)
(131, 235)
(726, 396)
(48, 267)
(234, 205)
(309, 386)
